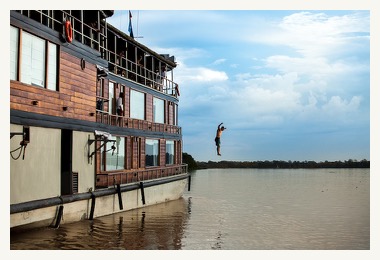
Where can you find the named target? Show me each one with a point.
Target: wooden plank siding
(77, 90)
(149, 107)
(177, 152)
(170, 113)
(128, 153)
(162, 152)
(134, 152)
(127, 102)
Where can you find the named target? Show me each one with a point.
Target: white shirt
(120, 103)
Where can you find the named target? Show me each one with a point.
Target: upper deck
(125, 57)
(81, 91)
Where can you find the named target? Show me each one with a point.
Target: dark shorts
(217, 141)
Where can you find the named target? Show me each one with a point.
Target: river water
(233, 209)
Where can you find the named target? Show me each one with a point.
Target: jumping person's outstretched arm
(220, 125)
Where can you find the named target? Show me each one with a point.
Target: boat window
(113, 159)
(37, 57)
(14, 52)
(137, 105)
(169, 152)
(158, 110)
(111, 96)
(33, 60)
(52, 66)
(151, 152)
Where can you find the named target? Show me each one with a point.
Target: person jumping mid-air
(217, 138)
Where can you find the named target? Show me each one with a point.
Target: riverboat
(73, 154)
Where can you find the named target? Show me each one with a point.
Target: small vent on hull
(75, 182)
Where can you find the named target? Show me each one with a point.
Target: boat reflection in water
(156, 227)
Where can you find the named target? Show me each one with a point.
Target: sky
(288, 85)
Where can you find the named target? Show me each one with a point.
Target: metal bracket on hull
(103, 138)
(24, 142)
(102, 72)
(25, 134)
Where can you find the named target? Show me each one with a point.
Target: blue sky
(288, 85)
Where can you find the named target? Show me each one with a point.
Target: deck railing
(121, 121)
(89, 34)
(138, 73)
(136, 175)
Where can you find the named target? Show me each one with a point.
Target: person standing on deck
(217, 138)
(140, 69)
(163, 77)
(119, 105)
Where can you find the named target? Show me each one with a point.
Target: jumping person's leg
(217, 143)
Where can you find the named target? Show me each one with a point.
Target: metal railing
(91, 35)
(137, 175)
(138, 73)
(121, 121)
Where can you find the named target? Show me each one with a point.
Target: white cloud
(270, 101)
(219, 61)
(185, 73)
(316, 34)
(338, 106)
(316, 72)
(200, 75)
(264, 97)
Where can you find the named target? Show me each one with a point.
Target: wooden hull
(46, 213)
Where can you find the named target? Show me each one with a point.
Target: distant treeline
(284, 164)
(193, 165)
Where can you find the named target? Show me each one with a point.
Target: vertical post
(59, 215)
(92, 207)
(142, 192)
(189, 183)
(119, 196)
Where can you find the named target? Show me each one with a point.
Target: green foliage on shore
(189, 160)
(194, 165)
(284, 164)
